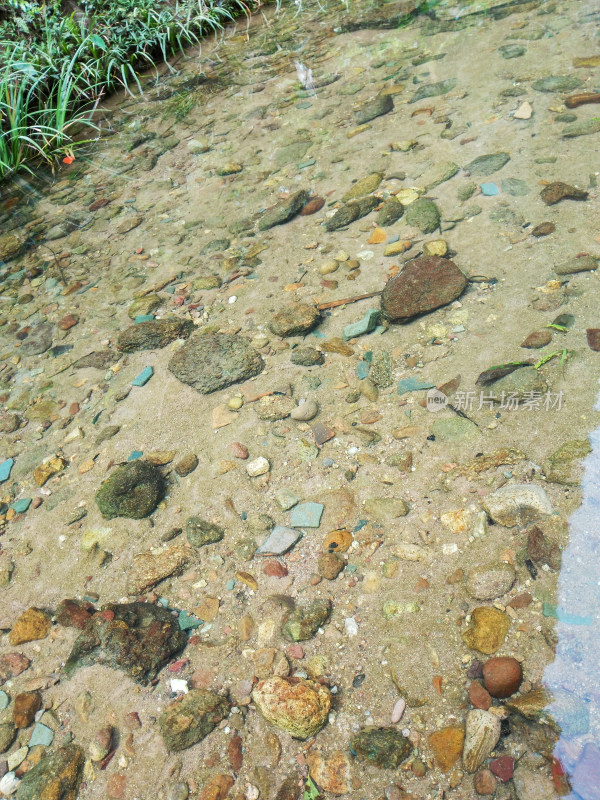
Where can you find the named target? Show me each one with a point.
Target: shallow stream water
(422, 463)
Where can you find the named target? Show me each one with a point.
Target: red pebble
(132, 720)
(235, 753)
(275, 569)
(239, 450)
(67, 322)
(295, 651)
(502, 676)
(37, 502)
(177, 666)
(314, 204)
(179, 300)
(108, 615)
(73, 409)
(503, 768)
(479, 697)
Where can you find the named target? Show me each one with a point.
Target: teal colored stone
(362, 370)
(4, 700)
(143, 378)
(230, 585)
(365, 325)
(42, 734)
(143, 318)
(5, 468)
(489, 189)
(188, 621)
(307, 515)
(135, 454)
(413, 385)
(21, 506)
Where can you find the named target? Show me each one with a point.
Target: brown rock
(186, 465)
(593, 338)
(479, 697)
(26, 706)
(502, 676)
(557, 191)
(33, 624)
(11, 665)
(447, 745)
(239, 450)
(234, 753)
(298, 707)
(484, 782)
(331, 774)
(74, 613)
(68, 322)
(537, 339)
(295, 320)
(314, 204)
(330, 565)
(543, 229)
(521, 600)
(275, 569)
(426, 283)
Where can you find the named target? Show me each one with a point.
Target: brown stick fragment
(346, 300)
(157, 286)
(576, 100)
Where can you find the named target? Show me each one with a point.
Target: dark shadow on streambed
(573, 677)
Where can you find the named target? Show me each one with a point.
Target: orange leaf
(68, 159)
(437, 683)
(378, 236)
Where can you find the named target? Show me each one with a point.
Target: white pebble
(305, 411)
(350, 626)
(398, 710)
(179, 685)
(232, 299)
(258, 467)
(9, 784)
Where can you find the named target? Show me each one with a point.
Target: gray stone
(279, 541)
(307, 357)
(382, 104)
(482, 733)
(582, 128)
(517, 504)
(214, 361)
(557, 83)
(515, 187)
(576, 264)
(512, 50)
(38, 341)
(434, 89)
(533, 785)
(7, 735)
(454, 429)
(521, 385)
(488, 164)
(490, 582)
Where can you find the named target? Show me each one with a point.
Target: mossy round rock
(385, 748)
(133, 490)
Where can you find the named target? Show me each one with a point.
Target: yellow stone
(248, 579)
(32, 625)
(378, 236)
(487, 630)
(447, 745)
(394, 88)
(358, 130)
(86, 466)
(46, 470)
(396, 248)
(207, 609)
(407, 196)
(435, 248)
(161, 457)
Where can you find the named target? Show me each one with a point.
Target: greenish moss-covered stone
(284, 210)
(144, 305)
(56, 777)
(424, 215)
(214, 361)
(154, 334)
(557, 83)
(364, 186)
(380, 105)
(133, 490)
(488, 164)
(385, 748)
(391, 211)
(199, 532)
(343, 217)
(136, 638)
(307, 357)
(190, 719)
(466, 192)
(564, 465)
(303, 623)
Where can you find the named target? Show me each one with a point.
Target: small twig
(345, 301)
(157, 286)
